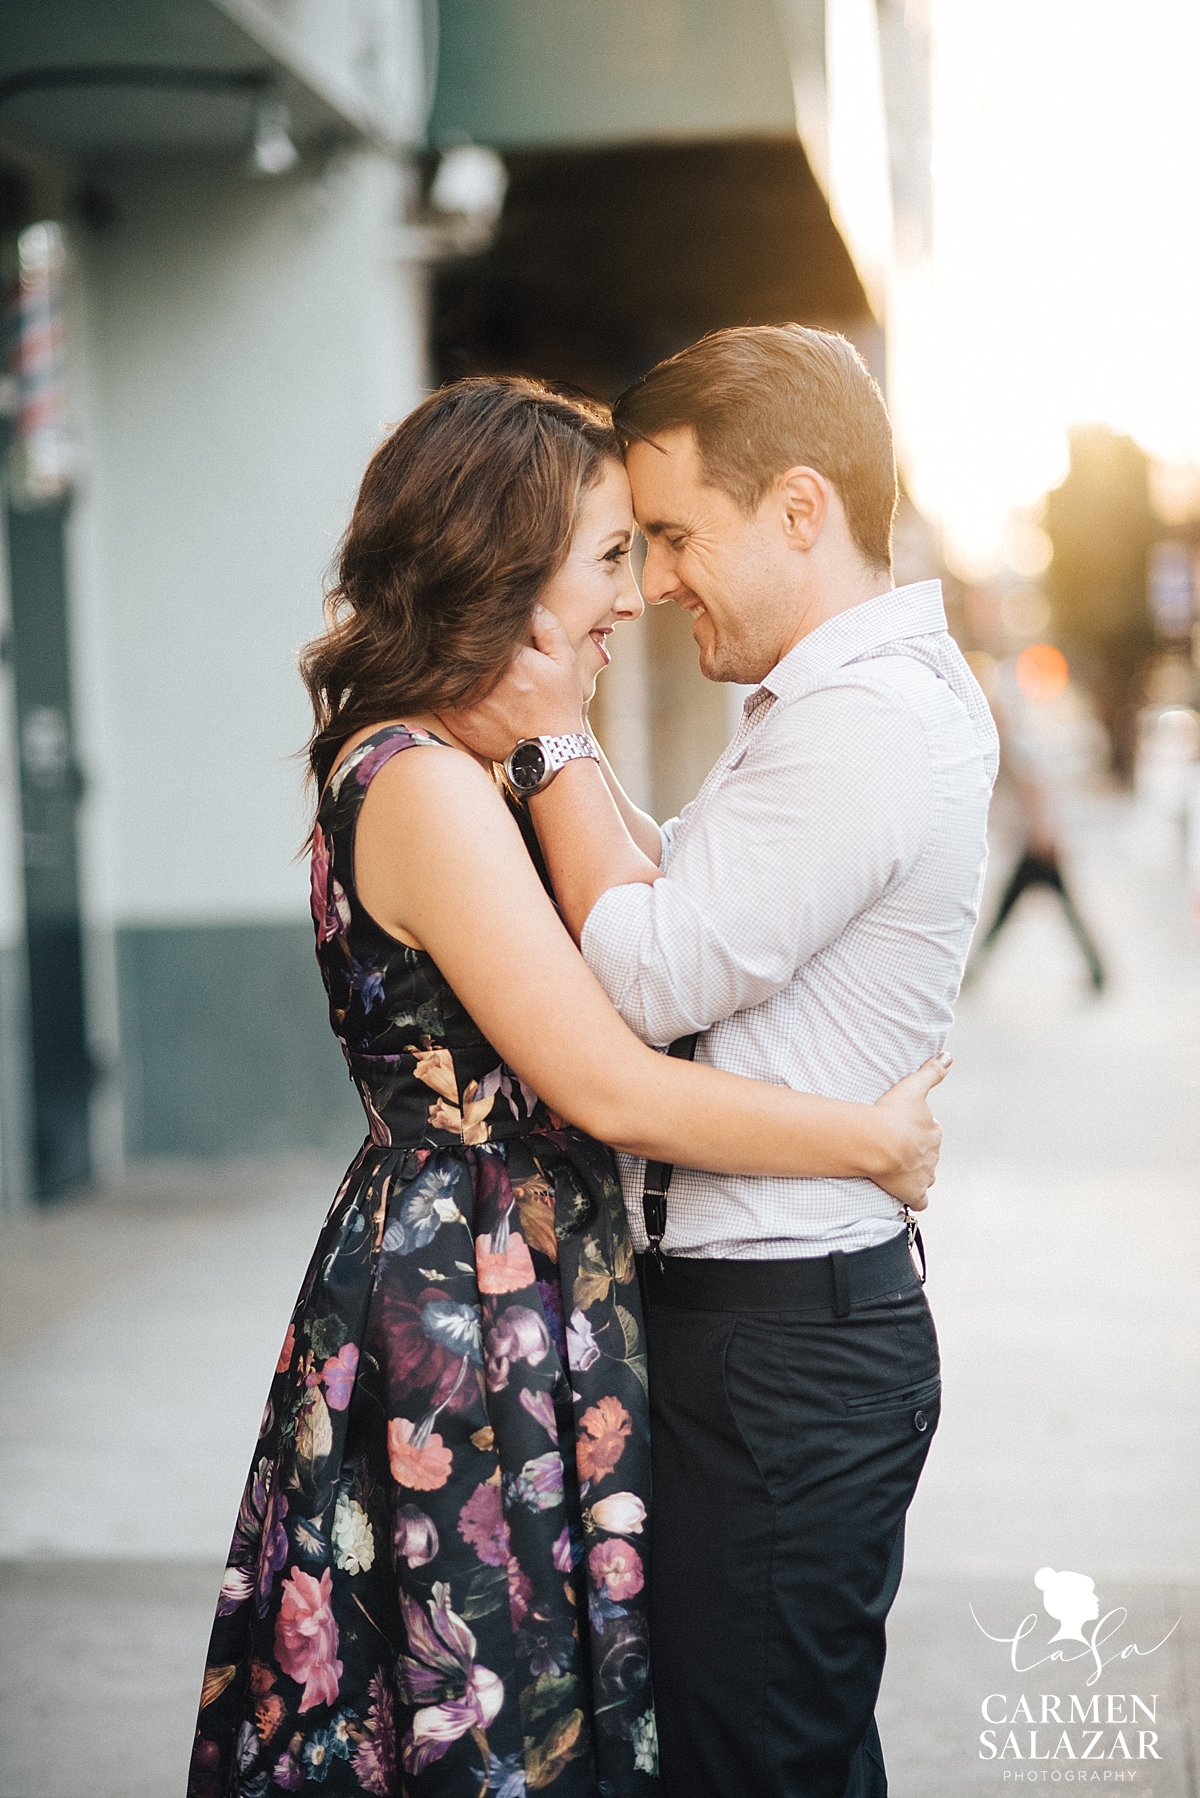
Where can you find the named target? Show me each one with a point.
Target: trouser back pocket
(897, 1398)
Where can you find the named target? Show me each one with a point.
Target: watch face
(526, 766)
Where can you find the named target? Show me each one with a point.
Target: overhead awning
(532, 75)
(83, 76)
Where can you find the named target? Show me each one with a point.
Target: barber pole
(41, 449)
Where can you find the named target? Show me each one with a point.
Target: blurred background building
(1088, 646)
(239, 237)
(210, 315)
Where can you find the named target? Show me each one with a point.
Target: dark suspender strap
(915, 1245)
(658, 1174)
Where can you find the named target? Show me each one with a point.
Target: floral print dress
(437, 1583)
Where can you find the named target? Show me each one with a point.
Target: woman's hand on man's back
(915, 1136)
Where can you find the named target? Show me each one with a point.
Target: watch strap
(571, 748)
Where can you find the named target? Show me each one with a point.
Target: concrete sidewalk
(139, 1331)
(139, 1334)
(1064, 1273)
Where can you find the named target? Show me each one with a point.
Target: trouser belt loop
(841, 1283)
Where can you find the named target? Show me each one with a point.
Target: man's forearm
(640, 825)
(585, 842)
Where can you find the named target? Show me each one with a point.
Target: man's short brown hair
(765, 398)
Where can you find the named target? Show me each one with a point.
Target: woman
(437, 1580)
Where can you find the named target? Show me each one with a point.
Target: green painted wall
(226, 1045)
(16, 1100)
(528, 72)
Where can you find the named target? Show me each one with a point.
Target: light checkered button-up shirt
(816, 907)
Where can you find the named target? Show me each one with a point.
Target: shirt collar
(912, 611)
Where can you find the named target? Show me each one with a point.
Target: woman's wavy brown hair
(464, 513)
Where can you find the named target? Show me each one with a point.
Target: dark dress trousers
(792, 1408)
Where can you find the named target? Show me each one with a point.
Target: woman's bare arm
(439, 857)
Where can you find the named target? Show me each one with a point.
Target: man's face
(729, 571)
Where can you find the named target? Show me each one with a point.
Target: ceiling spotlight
(273, 152)
(471, 181)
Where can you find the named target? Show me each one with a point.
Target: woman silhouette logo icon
(1070, 1598)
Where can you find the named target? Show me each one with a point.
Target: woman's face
(595, 589)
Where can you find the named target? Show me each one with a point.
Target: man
(807, 918)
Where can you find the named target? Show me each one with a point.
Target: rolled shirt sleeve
(820, 804)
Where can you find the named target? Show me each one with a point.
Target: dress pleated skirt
(437, 1583)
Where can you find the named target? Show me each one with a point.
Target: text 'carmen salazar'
(1113, 1734)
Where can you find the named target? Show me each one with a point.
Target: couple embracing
(586, 1462)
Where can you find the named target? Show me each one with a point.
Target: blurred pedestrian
(437, 1583)
(1038, 866)
(1026, 775)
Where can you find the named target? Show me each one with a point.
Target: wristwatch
(532, 765)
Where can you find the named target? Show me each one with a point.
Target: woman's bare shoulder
(440, 763)
(433, 821)
(434, 772)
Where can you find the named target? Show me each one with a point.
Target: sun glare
(1066, 272)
